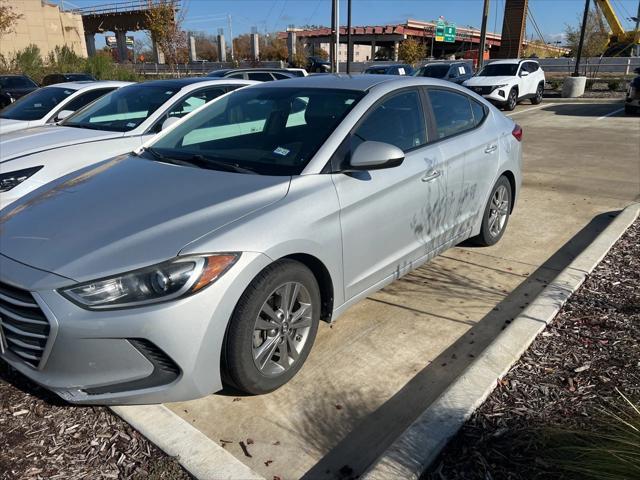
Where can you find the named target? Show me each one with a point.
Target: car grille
(24, 327)
(483, 90)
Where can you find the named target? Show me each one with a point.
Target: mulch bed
(42, 437)
(569, 373)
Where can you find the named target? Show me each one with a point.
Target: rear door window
(452, 111)
(260, 76)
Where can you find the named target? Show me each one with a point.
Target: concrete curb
(420, 444)
(582, 100)
(199, 455)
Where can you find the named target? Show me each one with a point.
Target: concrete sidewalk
(374, 372)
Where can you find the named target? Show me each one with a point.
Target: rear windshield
(37, 104)
(123, 109)
(269, 131)
(16, 82)
(499, 70)
(433, 71)
(377, 70)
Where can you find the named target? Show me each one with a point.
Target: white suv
(506, 82)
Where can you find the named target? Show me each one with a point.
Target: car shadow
(591, 109)
(357, 448)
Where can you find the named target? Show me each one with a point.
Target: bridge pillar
(222, 49)
(396, 47)
(291, 45)
(193, 54)
(255, 47)
(158, 55)
(90, 40)
(121, 45)
(373, 49)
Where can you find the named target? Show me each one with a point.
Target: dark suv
(456, 72)
(66, 77)
(12, 87)
(401, 69)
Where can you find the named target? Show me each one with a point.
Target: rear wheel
(539, 92)
(512, 100)
(496, 214)
(272, 328)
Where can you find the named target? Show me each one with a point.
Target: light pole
(483, 34)
(349, 44)
(576, 72)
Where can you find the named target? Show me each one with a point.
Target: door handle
(428, 177)
(491, 148)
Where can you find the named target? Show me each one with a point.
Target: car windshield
(16, 82)
(433, 71)
(377, 70)
(122, 110)
(499, 70)
(37, 104)
(269, 131)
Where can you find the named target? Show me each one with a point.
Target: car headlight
(10, 180)
(176, 278)
(495, 87)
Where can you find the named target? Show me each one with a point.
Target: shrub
(613, 85)
(554, 83)
(29, 61)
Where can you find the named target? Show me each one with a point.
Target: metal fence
(591, 67)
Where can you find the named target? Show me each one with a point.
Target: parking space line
(527, 110)
(611, 113)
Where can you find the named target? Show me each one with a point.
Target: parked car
(54, 78)
(52, 104)
(256, 74)
(402, 69)
(507, 82)
(632, 100)
(454, 71)
(12, 87)
(117, 123)
(213, 251)
(318, 65)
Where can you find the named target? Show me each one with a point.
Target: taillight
(517, 132)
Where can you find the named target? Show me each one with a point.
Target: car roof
(512, 61)
(89, 84)
(445, 62)
(335, 81)
(179, 82)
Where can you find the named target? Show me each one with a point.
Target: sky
(273, 15)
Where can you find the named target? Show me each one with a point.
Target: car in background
(12, 87)
(255, 74)
(632, 99)
(214, 250)
(117, 123)
(48, 105)
(400, 69)
(318, 65)
(454, 71)
(54, 78)
(507, 82)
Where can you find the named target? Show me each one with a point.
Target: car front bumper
(160, 353)
(494, 95)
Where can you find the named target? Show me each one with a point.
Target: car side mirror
(168, 122)
(524, 73)
(63, 114)
(375, 156)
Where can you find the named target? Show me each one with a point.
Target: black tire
(239, 368)
(539, 93)
(512, 100)
(488, 236)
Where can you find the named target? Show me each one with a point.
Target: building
(44, 25)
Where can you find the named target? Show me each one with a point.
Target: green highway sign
(445, 32)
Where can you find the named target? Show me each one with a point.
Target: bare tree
(165, 29)
(595, 36)
(8, 18)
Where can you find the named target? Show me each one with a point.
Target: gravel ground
(42, 437)
(569, 373)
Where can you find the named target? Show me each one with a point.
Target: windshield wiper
(200, 161)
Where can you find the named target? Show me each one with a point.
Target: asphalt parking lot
(373, 372)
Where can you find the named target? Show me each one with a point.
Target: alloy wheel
(282, 329)
(513, 99)
(499, 210)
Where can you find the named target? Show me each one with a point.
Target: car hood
(33, 140)
(126, 213)
(484, 81)
(7, 125)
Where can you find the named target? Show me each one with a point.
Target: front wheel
(496, 214)
(272, 328)
(512, 100)
(539, 92)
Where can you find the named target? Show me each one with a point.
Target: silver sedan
(209, 256)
